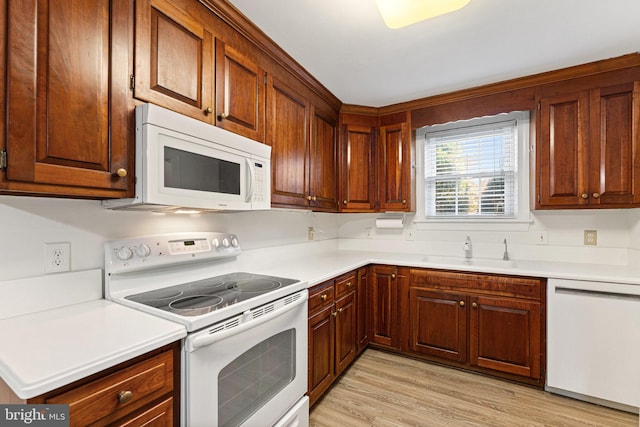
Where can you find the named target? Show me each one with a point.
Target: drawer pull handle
(323, 297)
(125, 396)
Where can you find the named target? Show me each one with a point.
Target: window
(475, 169)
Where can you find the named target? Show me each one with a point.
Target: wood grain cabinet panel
(323, 180)
(362, 307)
(346, 346)
(321, 352)
(240, 93)
(358, 169)
(395, 167)
(69, 126)
(174, 59)
(384, 306)
(588, 148)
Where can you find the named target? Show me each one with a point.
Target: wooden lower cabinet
(384, 305)
(140, 392)
(486, 322)
(333, 331)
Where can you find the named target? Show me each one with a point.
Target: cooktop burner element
(207, 295)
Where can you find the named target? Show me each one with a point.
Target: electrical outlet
(409, 234)
(57, 257)
(369, 232)
(542, 238)
(591, 237)
(310, 233)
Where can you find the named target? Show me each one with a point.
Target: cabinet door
(358, 169)
(240, 93)
(362, 307)
(384, 303)
(321, 352)
(615, 146)
(323, 178)
(563, 156)
(69, 123)
(438, 323)
(287, 134)
(174, 60)
(504, 335)
(395, 168)
(346, 346)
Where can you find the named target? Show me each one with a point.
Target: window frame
(523, 149)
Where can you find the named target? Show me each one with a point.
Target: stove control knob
(143, 250)
(124, 253)
(234, 242)
(225, 242)
(215, 243)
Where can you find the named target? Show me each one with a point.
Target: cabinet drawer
(345, 284)
(522, 287)
(160, 415)
(120, 393)
(321, 295)
(439, 279)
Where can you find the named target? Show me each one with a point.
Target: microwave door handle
(252, 178)
(205, 339)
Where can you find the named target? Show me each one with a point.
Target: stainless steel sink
(477, 262)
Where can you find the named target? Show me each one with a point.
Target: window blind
(472, 171)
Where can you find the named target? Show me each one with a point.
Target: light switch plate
(591, 237)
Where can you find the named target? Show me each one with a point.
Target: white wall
(618, 237)
(28, 222)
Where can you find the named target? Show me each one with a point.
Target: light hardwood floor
(383, 389)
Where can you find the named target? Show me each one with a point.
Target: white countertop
(317, 265)
(47, 349)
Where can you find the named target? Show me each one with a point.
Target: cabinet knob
(349, 284)
(222, 116)
(595, 195)
(340, 310)
(323, 297)
(344, 202)
(334, 314)
(584, 195)
(461, 303)
(309, 198)
(314, 198)
(208, 111)
(474, 305)
(404, 201)
(122, 172)
(125, 396)
(393, 276)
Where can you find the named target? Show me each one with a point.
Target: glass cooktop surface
(207, 295)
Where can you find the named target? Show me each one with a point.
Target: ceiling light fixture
(400, 13)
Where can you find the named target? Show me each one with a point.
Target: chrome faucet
(505, 257)
(467, 248)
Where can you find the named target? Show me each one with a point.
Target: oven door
(249, 370)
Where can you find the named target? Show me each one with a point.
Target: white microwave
(185, 163)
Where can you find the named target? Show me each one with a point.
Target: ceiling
(346, 46)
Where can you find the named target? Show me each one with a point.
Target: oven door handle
(208, 339)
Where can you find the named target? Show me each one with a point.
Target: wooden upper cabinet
(288, 115)
(174, 60)
(323, 182)
(615, 145)
(395, 167)
(588, 148)
(358, 169)
(240, 93)
(67, 114)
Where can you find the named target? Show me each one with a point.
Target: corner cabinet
(385, 284)
(588, 150)
(67, 108)
(143, 391)
(375, 163)
(486, 322)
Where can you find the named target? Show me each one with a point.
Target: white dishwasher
(593, 342)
